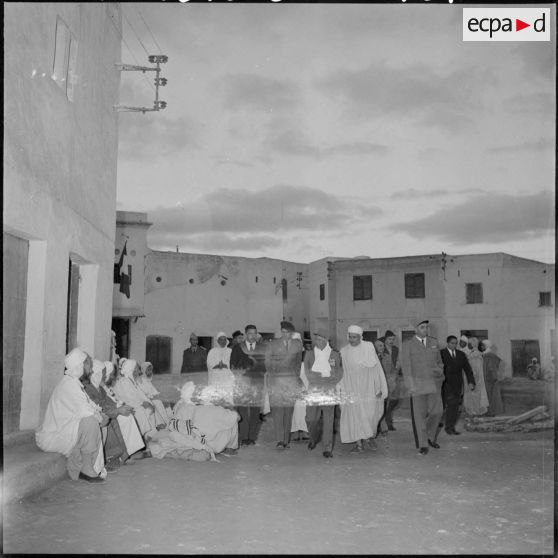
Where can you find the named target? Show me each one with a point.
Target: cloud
(240, 212)
(531, 103)
(537, 145)
(537, 60)
(417, 92)
(253, 91)
(154, 135)
(227, 161)
(413, 193)
(212, 242)
(294, 143)
(498, 218)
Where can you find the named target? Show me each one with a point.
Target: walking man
(322, 366)
(283, 359)
(423, 374)
(392, 351)
(248, 365)
(455, 364)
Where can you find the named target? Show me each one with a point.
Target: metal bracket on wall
(158, 105)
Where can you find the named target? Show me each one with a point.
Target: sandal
(357, 449)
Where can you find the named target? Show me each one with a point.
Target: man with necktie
(248, 365)
(455, 364)
(422, 368)
(282, 361)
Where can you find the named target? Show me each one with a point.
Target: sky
(300, 131)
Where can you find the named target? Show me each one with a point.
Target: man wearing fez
(282, 361)
(423, 374)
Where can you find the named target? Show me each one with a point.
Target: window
(544, 299)
(473, 293)
(370, 335)
(362, 287)
(322, 291)
(65, 58)
(414, 285)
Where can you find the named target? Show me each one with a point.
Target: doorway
(121, 327)
(15, 263)
(523, 350)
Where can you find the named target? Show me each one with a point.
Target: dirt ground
(478, 494)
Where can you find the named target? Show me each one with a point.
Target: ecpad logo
(506, 24)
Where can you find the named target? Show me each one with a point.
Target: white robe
(68, 404)
(221, 378)
(363, 378)
(127, 391)
(218, 425)
(162, 416)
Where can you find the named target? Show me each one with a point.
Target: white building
(507, 299)
(60, 151)
(174, 294)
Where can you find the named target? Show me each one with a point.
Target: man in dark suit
(194, 358)
(423, 375)
(322, 366)
(455, 364)
(393, 398)
(282, 361)
(248, 365)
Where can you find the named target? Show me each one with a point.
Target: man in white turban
(219, 372)
(128, 391)
(72, 422)
(363, 389)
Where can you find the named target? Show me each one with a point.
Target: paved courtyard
(478, 494)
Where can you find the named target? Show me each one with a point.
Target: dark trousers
(451, 409)
(282, 422)
(391, 405)
(249, 423)
(321, 428)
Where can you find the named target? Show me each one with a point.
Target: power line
(134, 31)
(121, 35)
(152, 36)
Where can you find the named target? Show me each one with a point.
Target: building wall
(183, 293)
(60, 180)
(131, 229)
(510, 308)
(388, 309)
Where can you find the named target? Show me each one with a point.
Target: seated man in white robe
(72, 423)
(162, 414)
(121, 437)
(218, 426)
(128, 391)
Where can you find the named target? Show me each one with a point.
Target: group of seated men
(102, 416)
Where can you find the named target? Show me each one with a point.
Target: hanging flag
(124, 272)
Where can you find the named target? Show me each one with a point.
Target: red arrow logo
(519, 25)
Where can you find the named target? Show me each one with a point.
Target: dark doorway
(15, 263)
(72, 306)
(205, 342)
(121, 327)
(369, 336)
(523, 350)
(158, 351)
(480, 334)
